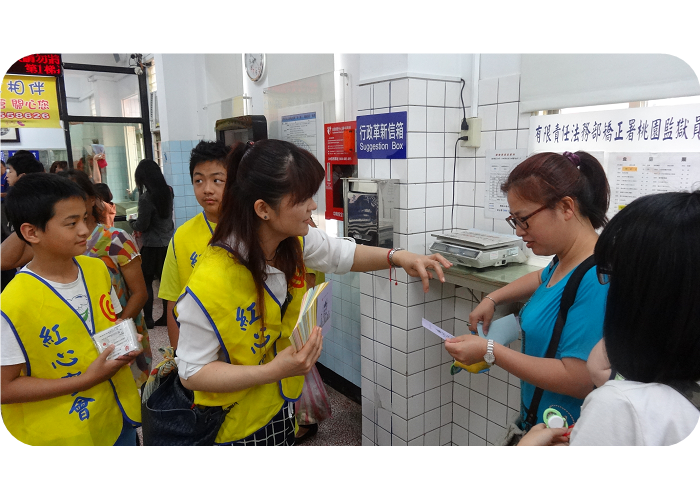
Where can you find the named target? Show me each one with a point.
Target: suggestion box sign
(382, 136)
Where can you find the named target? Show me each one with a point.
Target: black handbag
(170, 417)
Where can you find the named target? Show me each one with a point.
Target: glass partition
(124, 149)
(99, 93)
(327, 89)
(297, 112)
(48, 156)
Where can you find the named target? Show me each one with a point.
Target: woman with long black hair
(155, 223)
(243, 299)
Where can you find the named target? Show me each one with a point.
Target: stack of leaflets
(315, 310)
(124, 337)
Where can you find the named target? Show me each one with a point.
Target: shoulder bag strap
(567, 299)
(689, 389)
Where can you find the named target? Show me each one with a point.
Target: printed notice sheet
(300, 129)
(632, 175)
(499, 164)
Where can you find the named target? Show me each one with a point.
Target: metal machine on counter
(476, 248)
(368, 210)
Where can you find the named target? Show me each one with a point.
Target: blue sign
(13, 151)
(382, 136)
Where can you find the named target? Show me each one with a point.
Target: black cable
(463, 127)
(461, 97)
(454, 182)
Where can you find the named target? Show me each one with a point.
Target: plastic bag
(313, 405)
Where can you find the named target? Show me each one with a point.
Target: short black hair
(33, 199)
(652, 318)
(208, 151)
(89, 190)
(24, 162)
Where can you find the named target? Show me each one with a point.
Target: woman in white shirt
(648, 253)
(243, 298)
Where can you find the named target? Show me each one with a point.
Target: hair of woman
(148, 175)
(103, 192)
(58, 165)
(546, 178)
(266, 170)
(82, 180)
(652, 319)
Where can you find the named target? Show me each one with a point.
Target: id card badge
(123, 336)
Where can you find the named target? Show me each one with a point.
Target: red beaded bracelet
(390, 260)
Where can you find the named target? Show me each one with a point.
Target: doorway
(105, 109)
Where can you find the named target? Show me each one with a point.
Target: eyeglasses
(520, 221)
(603, 275)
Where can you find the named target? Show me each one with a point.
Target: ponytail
(594, 193)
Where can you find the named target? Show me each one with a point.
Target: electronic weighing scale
(476, 248)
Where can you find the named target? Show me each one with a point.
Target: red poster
(341, 161)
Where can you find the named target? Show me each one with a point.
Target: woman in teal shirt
(556, 204)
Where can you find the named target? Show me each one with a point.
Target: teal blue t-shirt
(582, 331)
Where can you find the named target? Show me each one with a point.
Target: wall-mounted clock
(254, 65)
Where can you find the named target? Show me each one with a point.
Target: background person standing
(155, 223)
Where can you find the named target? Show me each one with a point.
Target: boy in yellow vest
(208, 175)
(55, 388)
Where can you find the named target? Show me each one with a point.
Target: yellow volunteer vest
(225, 290)
(57, 343)
(189, 242)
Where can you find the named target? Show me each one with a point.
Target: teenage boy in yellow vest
(208, 175)
(55, 387)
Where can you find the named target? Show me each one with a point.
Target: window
(672, 101)
(151, 75)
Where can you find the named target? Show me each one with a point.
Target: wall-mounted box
(369, 210)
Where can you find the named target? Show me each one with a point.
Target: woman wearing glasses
(556, 202)
(655, 397)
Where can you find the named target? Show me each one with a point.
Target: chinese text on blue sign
(382, 136)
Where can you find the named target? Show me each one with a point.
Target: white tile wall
(507, 116)
(417, 92)
(435, 119)
(506, 139)
(417, 119)
(400, 360)
(399, 92)
(488, 116)
(381, 95)
(452, 96)
(509, 88)
(488, 91)
(435, 93)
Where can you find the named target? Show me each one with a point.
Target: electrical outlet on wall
(473, 133)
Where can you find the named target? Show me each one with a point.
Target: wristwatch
(489, 357)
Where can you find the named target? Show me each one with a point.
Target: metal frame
(143, 100)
